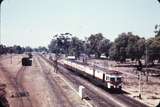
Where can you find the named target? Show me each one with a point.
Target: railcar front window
(118, 79)
(112, 79)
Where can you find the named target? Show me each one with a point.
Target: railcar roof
(107, 71)
(113, 72)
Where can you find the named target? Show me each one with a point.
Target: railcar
(111, 79)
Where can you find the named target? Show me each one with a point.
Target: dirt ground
(150, 90)
(41, 94)
(10, 66)
(34, 82)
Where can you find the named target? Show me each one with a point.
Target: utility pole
(11, 55)
(140, 87)
(94, 69)
(139, 68)
(146, 61)
(0, 20)
(11, 58)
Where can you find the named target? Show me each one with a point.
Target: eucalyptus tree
(153, 46)
(94, 44)
(76, 47)
(127, 45)
(60, 43)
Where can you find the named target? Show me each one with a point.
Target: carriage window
(118, 79)
(112, 79)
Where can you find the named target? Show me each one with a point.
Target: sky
(35, 22)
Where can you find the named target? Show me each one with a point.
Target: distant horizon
(34, 23)
(71, 36)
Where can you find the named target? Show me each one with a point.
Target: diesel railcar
(111, 79)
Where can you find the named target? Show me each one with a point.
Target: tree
(28, 49)
(42, 49)
(3, 49)
(141, 47)
(136, 47)
(113, 52)
(94, 42)
(127, 46)
(153, 47)
(105, 45)
(60, 43)
(17, 49)
(157, 30)
(53, 46)
(120, 45)
(76, 47)
(87, 48)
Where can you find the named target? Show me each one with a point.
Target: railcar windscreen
(119, 79)
(112, 79)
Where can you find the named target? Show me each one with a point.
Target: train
(110, 79)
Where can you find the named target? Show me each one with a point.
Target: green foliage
(65, 44)
(3, 49)
(76, 47)
(104, 46)
(60, 43)
(28, 49)
(97, 44)
(153, 47)
(41, 49)
(94, 42)
(11, 49)
(113, 52)
(17, 49)
(127, 45)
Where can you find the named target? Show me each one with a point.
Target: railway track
(23, 99)
(119, 96)
(100, 100)
(62, 99)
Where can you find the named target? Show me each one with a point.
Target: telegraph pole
(140, 87)
(146, 61)
(139, 68)
(0, 20)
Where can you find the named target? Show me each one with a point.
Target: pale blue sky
(34, 22)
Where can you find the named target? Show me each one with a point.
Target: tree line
(17, 49)
(126, 45)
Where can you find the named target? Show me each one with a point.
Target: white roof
(71, 57)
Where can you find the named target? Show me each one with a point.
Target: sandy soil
(7, 62)
(150, 90)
